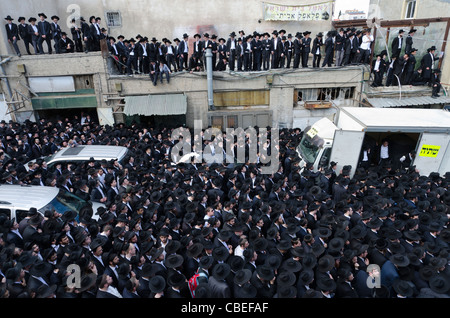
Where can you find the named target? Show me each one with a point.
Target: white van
(84, 153)
(16, 200)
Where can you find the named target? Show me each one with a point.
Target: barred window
(113, 19)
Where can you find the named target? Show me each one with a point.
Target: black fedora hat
(326, 284)
(45, 291)
(87, 281)
(42, 15)
(173, 260)
(8, 18)
(248, 290)
(291, 265)
(220, 253)
(41, 268)
(286, 278)
(399, 260)
(172, 247)
(273, 261)
(306, 277)
(194, 250)
(221, 271)
(309, 260)
(157, 284)
(176, 280)
(402, 287)
(265, 272)
(242, 276)
(440, 284)
(325, 263)
(236, 263)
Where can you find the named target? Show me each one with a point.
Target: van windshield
(308, 149)
(65, 201)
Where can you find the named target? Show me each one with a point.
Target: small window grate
(113, 19)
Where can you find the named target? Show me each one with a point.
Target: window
(242, 98)
(113, 19)
(410, 9)
(323, 94)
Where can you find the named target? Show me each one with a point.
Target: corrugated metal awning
(408, 101)
(148, 105)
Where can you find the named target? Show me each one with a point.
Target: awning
(148, 105)
(408, 101)
(64, 102)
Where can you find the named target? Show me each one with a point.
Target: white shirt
(144, 50)
(35, 29)
(400, 39)
(377, 65)
(384, 153)
(185, 47)
(169, 50)
(233, 46)
(366, 40)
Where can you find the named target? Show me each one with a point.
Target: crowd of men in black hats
(215, 230)
(403, 70)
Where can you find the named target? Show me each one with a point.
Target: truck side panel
(346, 148)
(431, 153)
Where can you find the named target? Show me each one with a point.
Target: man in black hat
(76, 35)
(95, 33)
(66, 45)
(183, 50)
(427, 64)
(257, 50)
(378, 70)
(351, 47)
(317, 44)
(45, 33)
(12, 34)
(56, 32)
(397, 43)
(297, 47)
(340, 47)
(435, 83)
(306, 48)
(231, 50)
(86, 31)
(329, 48)
(23, 34)
(276, 49)
(410, 67)
(247, 53)
(409, 40)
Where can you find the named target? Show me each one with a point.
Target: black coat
(13, 32)
(394, 46)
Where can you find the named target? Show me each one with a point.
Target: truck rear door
(346, 148)
(432, 153)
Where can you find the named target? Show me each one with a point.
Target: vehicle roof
(416, 119)
(25, 197)
(325, 128)
(85, 152)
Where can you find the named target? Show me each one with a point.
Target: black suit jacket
(13, 32)
(44, 29)
(23, 32)
(394, 46)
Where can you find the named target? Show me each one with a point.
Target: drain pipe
(209, 77)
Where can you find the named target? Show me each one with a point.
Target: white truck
(427, 131)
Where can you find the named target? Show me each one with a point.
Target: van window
(20, 215)
(325, 159)
(6, 212)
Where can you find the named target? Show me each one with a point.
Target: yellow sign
(312, 132)
(312, 12)
(429, 151)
